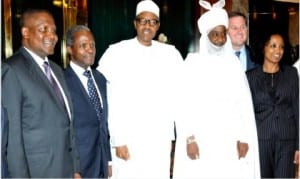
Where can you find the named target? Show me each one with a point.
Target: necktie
(237, 53)
(93, 94)
(53, 83)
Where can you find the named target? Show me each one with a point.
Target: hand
(109, 171)
(77, 176)
(192, 148)
(297, 157)
(122, 152)
(242, 149)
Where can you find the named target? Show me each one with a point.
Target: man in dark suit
(238, 33)
(40, 134)
(4, 125)
(89, 104)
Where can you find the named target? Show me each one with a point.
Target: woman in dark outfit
(275, 94)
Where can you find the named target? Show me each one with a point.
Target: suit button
(70, 149)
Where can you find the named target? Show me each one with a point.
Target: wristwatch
(190, 139)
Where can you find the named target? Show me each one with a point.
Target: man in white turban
(216, 132)
(140, 72)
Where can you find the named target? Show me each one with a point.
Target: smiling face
(83, 50)
(146, 25)
(39, 33)
(274, 49)
(237, 31)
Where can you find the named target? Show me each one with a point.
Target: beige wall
(294, 28)
(240, 5)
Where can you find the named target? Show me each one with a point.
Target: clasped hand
(242, 149)
(193, 150)
(123, 152)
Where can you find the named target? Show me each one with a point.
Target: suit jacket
(4, 135)
(276, 111)
(40, 138)
(92, 134)
(250, 63)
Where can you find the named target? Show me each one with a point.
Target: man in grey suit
(40, 134)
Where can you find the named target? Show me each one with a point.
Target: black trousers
(276, 158)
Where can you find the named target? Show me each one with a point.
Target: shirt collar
(243, 50)
(78, 69)
(37, 58)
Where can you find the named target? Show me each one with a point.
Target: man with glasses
(140, 72)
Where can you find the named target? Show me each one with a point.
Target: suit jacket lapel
(37, 74)
(77, 83)
(101, 83)
(63, 84)
(98, 83)
(35, 71)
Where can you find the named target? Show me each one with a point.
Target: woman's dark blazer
(276, 113)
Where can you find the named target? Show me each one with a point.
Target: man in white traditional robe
(141, 73)
(216, 131)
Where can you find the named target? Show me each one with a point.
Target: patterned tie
(237, 53)
(53, 83)
(93, 94)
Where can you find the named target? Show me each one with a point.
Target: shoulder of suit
(18, 61)
(97, 73)
(54, 65)
(15, 58)
(290, 68)
(247, 47)
(254, 70)
(68, 70)
(4, 69)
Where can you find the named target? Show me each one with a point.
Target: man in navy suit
(90, 122)
(38, 109)
(238, 33)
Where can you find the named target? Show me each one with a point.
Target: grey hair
(72, 31)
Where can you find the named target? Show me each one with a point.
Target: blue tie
(237, 53)
(93, 94)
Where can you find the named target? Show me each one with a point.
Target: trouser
(276, 158)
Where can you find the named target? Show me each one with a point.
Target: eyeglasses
(151, 22)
